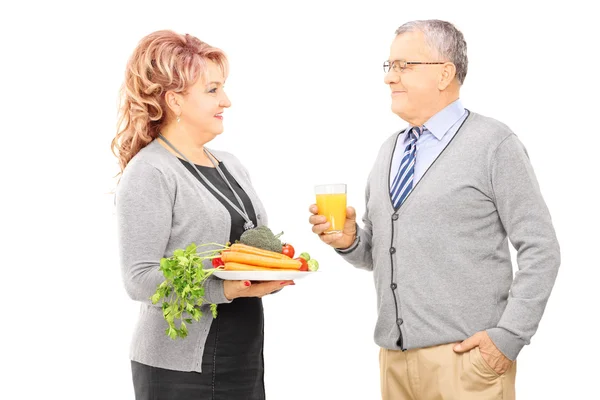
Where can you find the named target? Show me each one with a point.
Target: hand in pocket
(489, 352)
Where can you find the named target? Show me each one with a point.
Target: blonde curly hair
(163, 61)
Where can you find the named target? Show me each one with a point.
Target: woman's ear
(174, 102)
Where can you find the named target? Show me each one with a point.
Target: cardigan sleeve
(144, 208)
(359, 254)
(528, 225)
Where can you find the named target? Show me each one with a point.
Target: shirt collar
(441, 122)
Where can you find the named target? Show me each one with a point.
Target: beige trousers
(438, 373)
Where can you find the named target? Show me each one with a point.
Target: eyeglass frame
(390, 64)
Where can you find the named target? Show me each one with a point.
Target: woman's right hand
(235, 289)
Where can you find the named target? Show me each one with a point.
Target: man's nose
(391, 77)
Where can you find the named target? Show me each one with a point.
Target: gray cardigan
(441, 263)
(161, 207)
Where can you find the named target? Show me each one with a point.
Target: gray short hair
(444, 39)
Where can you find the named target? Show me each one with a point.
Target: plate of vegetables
(260, 256)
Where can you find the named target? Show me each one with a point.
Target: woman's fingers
(267, 287)
(235, 289)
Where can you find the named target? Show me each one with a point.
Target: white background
(306, 83)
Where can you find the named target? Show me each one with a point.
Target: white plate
(261, 275)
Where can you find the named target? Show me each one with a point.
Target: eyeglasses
(400, 65)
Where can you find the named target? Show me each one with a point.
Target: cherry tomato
(304, 266)
(217, 262)
(288, 250)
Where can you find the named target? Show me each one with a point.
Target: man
(442, 200)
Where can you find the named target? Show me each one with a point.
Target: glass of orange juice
(331, 201)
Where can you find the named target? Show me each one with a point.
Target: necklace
(240, 210)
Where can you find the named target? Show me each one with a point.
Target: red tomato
(288, 250)
(304, 266)
(217, 262)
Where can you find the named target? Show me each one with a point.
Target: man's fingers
(317, 219)
(331, 238)
(337, 240)
(468, 343)
(318, 229)
(350, 213)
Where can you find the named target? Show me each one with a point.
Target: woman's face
(203, 104)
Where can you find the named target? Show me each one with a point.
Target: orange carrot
(243, 248)
(233, 266)
(260, 261)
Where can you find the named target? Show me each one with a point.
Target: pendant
(248, 225)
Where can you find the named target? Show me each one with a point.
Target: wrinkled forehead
(410, 46)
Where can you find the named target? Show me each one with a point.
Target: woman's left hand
(235, 289)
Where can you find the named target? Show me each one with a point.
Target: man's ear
(447, 76)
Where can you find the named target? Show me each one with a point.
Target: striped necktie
(403, 183)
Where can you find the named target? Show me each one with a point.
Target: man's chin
(398, 110)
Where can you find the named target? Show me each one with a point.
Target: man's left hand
(490, 353)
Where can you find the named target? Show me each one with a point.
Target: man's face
(415, 88)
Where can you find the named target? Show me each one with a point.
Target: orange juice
(333, 206)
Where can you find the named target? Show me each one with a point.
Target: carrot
(243, 248)
(260, 261)
(233, 266)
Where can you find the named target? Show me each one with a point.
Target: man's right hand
(336, 240)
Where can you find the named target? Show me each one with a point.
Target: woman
(174, 191)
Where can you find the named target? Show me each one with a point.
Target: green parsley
(182, 291)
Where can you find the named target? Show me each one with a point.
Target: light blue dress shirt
(441, 128)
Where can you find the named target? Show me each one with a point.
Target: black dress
(232, 363)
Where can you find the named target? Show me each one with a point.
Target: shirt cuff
(350, 249)
(508, 343)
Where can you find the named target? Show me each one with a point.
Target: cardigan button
(392, 250)
(393, 286)
(394, 217)
(400, 321)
